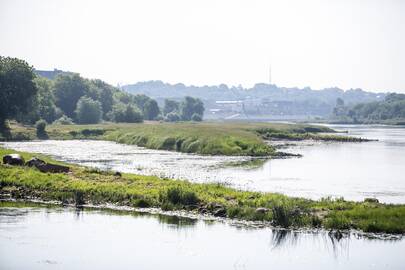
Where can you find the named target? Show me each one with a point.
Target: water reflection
(64, 235)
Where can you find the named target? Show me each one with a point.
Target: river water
(351, 170)
(66, 238)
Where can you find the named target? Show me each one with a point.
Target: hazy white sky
(313, 43)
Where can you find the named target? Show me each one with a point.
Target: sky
(311, 43)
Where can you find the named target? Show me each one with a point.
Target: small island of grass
(205, 138)
(90, 186)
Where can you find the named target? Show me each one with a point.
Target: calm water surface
(66, 238)
(351, 170)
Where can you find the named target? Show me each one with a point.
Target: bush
(88, 111)
(40, 126)
(179, 196)
(64, 120)
(172, 117)
(196, 117)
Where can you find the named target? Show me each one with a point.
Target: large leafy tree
(126, 113)
(151, 109)
(105, 95)
(69, 88)
(88, 111)
(16, 87)
(46, 101)
(191, 106)
(170, 106)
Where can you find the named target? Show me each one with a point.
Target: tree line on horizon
(70, 98)
(391, 108)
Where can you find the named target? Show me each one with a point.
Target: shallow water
(66, 238)
(350, 170)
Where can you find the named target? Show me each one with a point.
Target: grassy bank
(86, 185)
(207, 138)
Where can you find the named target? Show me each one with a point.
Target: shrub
(40, 126)
(179, 196)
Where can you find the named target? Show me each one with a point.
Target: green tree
(17, 88)
(46, 107)
(151, 109)
(88, 111)
(140, 101)
(103, 92)
(125, 113)
(170, 106)
(69, 88)
(191, 106)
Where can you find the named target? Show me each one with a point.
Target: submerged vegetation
(206, 138)
(92, 186)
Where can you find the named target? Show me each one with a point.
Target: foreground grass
(206, 138)
(86, 185)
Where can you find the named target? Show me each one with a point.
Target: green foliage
(178, 195)
(47, 109)
(191, 106)
(125, 114)
(104, 93)
(171, 106)
(17, 88)
(88, 111)
(68, 89)
(40, 125)
(393, 107)
(151, 109)
(140, 101)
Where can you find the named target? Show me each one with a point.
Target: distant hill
(260, 101)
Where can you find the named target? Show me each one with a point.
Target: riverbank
(91, 186)
(206, 138)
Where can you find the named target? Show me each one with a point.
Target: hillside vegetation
(389, 111)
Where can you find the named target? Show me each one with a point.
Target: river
(351, 170)
(67, 238)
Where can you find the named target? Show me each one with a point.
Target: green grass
(85, 185)
(205, 138)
